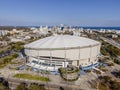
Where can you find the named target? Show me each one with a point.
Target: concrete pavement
(110, 41)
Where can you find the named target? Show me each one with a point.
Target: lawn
(31, 77)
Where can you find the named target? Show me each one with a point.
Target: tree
(22, 86)
(117, 61)
(4, 85)
(15, 55)
(106, 79)
(35, 86)
(115, 85)
(20, 43)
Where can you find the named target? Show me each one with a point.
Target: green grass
(31, 77)
(15, 62)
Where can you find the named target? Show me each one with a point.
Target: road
(110, 41)
(55, 80)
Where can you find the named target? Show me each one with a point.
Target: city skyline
(73, 12)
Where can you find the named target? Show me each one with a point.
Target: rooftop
(61, 41)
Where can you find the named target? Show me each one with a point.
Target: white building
(114, 35)
(102, 30)
(117, 32)
(76, 32)
(18, 39)
(3, 32)
(54, 52)
(43, 30)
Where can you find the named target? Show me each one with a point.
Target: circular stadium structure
(53, 52)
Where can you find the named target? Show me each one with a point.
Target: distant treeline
(13, 27)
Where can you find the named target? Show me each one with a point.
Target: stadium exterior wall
(81, 56)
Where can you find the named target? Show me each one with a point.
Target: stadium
(53, 52)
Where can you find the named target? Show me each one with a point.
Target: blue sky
(53, 12)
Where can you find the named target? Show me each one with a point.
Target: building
(53, 52)
(3, 32)
(118, 32)
(17, 39)
(114, 35)
(3, 43)
(102, 31)
(76, 32)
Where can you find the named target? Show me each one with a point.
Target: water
(84, 27)
(98, 28)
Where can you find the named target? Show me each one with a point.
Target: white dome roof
(61, 41)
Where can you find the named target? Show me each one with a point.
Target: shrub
(15, 55)
(36, 87)
(106, 79)
(117, 61)
(110, 64)
(22, 86)
(103, 86)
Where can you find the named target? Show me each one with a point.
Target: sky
(55, 12)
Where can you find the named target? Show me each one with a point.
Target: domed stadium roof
(61, 41)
